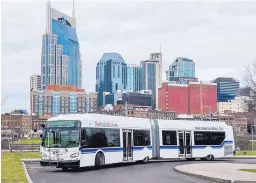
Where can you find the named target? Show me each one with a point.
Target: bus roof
(192, 125)
(101, 120)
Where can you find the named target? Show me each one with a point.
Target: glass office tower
(60, 62)
(111, 75)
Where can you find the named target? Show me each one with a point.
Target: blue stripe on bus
(169, 147)
(112, 149)
(212, 146)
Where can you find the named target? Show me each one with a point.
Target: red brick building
(173, 97)
(194, 98)
(204, 101)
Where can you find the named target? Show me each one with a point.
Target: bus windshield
(61, 136)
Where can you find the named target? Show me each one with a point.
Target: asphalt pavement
(154, 172)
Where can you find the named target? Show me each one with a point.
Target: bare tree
(250, 79)
(3, 101)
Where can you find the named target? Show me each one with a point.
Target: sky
(219, 36)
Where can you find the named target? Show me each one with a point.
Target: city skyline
(219, 37)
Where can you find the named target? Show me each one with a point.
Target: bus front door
(185, 144)
(127, 145)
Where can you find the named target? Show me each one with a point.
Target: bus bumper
(60, 164)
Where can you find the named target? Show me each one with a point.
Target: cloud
(218, 36)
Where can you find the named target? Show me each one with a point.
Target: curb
(238, 157)
(26, 173)
(211, 178)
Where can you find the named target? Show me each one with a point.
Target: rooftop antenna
(48, 17)
(73, 11)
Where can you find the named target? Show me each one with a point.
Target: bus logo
(105, 124)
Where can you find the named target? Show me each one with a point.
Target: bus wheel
(209, 157)
(64, 169)
(99, 160)
(146, 160)
(191, 159)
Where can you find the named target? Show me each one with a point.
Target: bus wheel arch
(99, 160)
(145, 160)
(209, 157)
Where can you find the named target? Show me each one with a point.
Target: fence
(9, 145)
(24, 147)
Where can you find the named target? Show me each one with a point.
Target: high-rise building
(60, 62)
(182, 71)
(56, 101)
(111, 75)
(35, 82)
(227, 88)
(193, 98)
(133, 78)
(151, 76)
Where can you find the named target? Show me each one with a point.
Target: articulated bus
(83, 140)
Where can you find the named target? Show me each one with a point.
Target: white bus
(82, 140)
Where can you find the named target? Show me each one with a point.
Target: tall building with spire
(60, 62)
(151, 76)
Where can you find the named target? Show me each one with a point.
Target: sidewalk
(220, 172)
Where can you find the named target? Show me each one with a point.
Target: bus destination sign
(208, 128)
(105, 124)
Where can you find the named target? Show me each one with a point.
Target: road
(154, 172)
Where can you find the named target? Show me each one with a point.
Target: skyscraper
(151, 76)
(182, 70)
(60, 62)
(227, 88)
(35, 82)
(111, 74)
(133, 77)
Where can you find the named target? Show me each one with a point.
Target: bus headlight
(44, 155)
(74, 155)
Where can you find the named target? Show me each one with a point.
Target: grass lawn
(29, 141)
(249, 170)
(12, 170)
(248, 153)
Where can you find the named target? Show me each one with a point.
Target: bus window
(141, 137)
(100, 137)
(217, 138)
(209, 138)
(169, 137)
(202, 138)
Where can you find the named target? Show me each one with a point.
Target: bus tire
(64, 169)
(210, 157)
(99, 160)
(145, 160)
